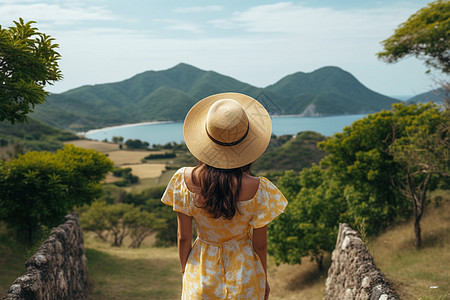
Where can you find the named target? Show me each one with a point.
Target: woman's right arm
(260, 246)
(184, 235)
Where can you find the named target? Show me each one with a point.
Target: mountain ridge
(169, 94)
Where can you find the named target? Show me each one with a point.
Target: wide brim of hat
(227, 157)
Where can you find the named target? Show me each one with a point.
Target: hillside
(32, 135)
(437, 96)
(295, 154)
(327, 91)
(169, 94)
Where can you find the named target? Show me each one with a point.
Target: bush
(39, 188)
(160, 155)
(136, 144)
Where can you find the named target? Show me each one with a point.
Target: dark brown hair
(219, 189)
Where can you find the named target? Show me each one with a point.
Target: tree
(117, 139)
(423, 152)
(425, 35)
(28, 61)
(359, 160)
(136, 144)
(93, 218)
(107, 220)
(142, 224)
(310, 223)
(38, 189)
(113, 222)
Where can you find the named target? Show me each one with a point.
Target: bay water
(165, 132)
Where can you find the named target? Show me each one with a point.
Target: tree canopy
(371, 172)
(38, 189)
(426, 35)
(28, 61)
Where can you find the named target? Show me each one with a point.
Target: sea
(165, 132)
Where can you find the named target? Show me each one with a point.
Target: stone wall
(58, 270)
(353, 274)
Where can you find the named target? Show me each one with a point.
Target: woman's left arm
(184, 238)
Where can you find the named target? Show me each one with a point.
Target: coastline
(124, 126)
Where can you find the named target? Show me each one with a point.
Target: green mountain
(169, 94)
(327, 91)
(437, 96)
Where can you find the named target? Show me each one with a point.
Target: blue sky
(257, 42)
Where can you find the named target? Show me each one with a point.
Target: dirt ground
(96, 145)
(147, 170)
(124, 157)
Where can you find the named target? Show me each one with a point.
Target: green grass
(12, 260)
(153, 273)
(123, 273)
(412, 271)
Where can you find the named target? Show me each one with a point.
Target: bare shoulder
(249, 187)
(188, 179)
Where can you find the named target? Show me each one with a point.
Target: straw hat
(227, 130)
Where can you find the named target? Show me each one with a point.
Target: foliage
(358, 181)
(169, 146)
(113, 222)
(117, 139)
(167, 231)
(310, 223)
(28, 61)
(127, 177)
(423, 151)
(39, 188)
(359, 160)
(160, 155)
(33, 135)
(425, 35)
(150, 200)
(169, 94)
(136, 144)
(142, 224)
(294, 154)
(162, 219)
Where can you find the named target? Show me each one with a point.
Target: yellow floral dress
(222, 263)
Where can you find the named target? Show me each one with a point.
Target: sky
(255, 41)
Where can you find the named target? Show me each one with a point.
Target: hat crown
(226, 121)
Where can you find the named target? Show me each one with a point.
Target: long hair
(219, 189)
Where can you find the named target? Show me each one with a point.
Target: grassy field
(123, 273)
(125, 158)
(418, 274)
(153, 273)
(12, 261)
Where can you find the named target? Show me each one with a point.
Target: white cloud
(259, 45)
(315, 23)
(55, 14)
(197, 9)
(179, 25)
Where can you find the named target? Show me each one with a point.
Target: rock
(58, 270)
(353, 274)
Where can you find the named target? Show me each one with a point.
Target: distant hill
(169, 94)
(32, 135)
(327, 91)
(437, 96)
(295, 154)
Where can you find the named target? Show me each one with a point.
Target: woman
(226, 133)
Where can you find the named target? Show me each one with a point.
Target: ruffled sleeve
(177, 194)
(269, 204)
